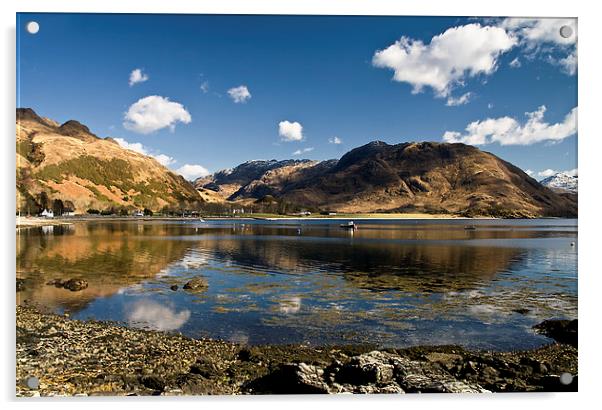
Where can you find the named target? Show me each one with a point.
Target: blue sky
(215, 91)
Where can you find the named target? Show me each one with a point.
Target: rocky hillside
(417, 177)
(256, 175)
(68, 163)
(561, 182)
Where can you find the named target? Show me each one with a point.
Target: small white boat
(349, 225)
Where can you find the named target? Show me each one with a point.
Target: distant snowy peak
(561, 181)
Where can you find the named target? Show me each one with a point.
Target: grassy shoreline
(25, 221)
(72, 357)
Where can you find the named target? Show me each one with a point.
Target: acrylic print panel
(222, 204)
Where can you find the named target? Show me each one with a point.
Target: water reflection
(108, 256)
(153, 315)
(393, 284)
(290, 304)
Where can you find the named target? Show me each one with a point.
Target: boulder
(291, 378)
(75, 285)
(369, 368)
(423, 377)
(562, 331)
(198, 283)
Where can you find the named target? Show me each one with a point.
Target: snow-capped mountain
(561, 181)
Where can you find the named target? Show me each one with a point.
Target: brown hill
(69, 163)
(418, 177)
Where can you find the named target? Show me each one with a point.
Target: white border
(590, 154)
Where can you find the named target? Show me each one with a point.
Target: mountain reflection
(405, 266)
(109, 256)
(408, 258)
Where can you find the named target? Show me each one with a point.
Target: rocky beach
(75, 358)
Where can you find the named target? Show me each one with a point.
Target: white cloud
(150, 314)
(239, 94)
(542, 36)
(335, 140)
(132, 146)
(290, 131)
(515, 63)
(533, 32)
(137, 76)
(163, 159)
(303, 151)
(461, 100)
(569, 63)
(153, 113)
(549, 172)
(451, 57)
(490, 105)
(192, 172)
(529, 172)
(205, 87)
(508, 131)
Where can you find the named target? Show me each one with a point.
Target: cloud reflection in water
(150, 314)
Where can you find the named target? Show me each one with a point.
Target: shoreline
(29, 221)
(76, 358)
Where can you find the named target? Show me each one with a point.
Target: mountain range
(408, 177)
(68, 163)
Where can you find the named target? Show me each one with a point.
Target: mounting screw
(566, 31)
(32, 27)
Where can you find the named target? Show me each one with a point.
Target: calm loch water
(390, 283)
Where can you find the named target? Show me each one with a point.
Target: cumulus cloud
(542, 37)
(137, 76)
(239, 94)
(529, 172)
(534, 31)
(515, 63)
(508, 131)
(132, 146)
(150, 314)
(549, 172)
(335, 140)
(303, 151)
(290, 131)
(153, 113)
(461, 100)
(451, 57)
(192, 171)
(163, 159)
